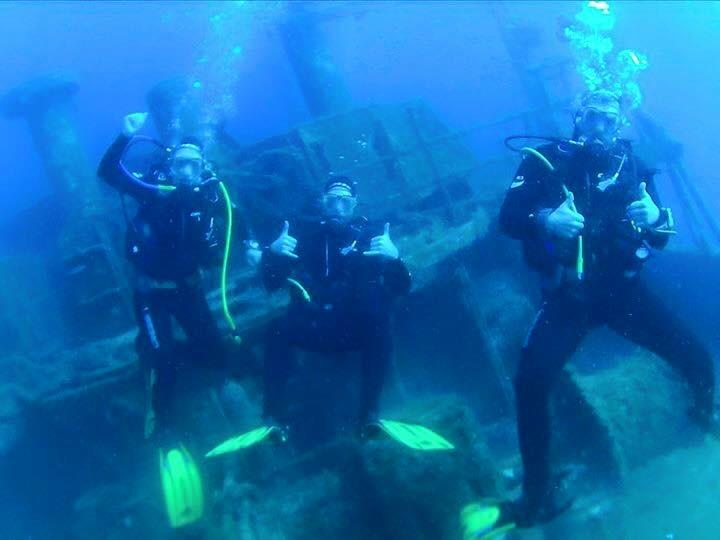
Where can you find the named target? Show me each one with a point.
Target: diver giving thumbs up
(565, 221)
(643, 212)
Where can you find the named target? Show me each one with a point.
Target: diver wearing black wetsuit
(173, 236)
(351, 272)
(620, 222)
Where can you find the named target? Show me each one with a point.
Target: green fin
(246, 440)
(479, 522)
(181, 486)
(415, 436)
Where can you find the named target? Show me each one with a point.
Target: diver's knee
(277, 329)
(705, 370)
(698, 360)
(530, 384)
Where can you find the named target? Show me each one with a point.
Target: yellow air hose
(226, 258)
(303, 290)
(543, 159)
(226, 254)
(580, 261)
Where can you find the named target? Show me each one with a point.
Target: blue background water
(448, 54)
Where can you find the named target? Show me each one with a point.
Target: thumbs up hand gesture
(285, 244)
(565, 221)
(383, 246)
(644, 213)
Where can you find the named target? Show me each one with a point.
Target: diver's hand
(383, 246)
(644, 213)
(133, 123)
(253, 253)
(285, 244)
(565, 221)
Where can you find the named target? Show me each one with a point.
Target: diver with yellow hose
(344, 274)
(588, 215)
(183, 224)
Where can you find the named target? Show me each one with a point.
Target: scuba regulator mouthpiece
(593, 146)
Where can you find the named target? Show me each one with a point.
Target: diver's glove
(285, 244)
(644, 213)
(565, 221)
(383, 246)
(253, 253)
(133, 123)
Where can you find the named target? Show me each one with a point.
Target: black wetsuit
(172, 237)
(610, 292)
(348, 309)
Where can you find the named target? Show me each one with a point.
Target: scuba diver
(181, 227)
(343, 274)
(588, 215)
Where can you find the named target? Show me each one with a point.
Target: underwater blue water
(449, 56)
(445, 53)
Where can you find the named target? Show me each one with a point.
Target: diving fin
(246, 440)
(490, 519)
(484, 521)
(181, 487)
(412, 435)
